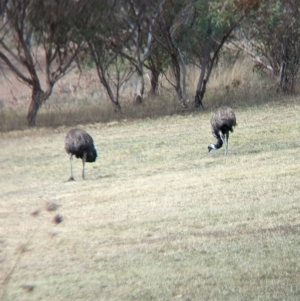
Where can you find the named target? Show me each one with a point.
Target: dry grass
(69, 112)
(240, 85)
(158, 217)
(235, 84)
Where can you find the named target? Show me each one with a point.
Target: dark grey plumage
(80, 143)
(222, 122)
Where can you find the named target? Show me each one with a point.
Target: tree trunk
(177, 86)
(116, 106)
(139, 91)
(201, 86)
(199, 95)
(283, 77)
(183, 64)
(154, 65)
(115, 100)
(208, 63)
(154, 75)
(37, 99)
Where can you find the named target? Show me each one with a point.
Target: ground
(158, 217)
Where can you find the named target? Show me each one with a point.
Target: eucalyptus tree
(37, 41)
(213, 24)
(157, 63)
(174, 16)
(194, 32)
(272, 39)
(139, 18)
(105, 36)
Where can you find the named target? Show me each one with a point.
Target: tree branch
(16, 71)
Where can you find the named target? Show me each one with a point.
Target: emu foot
(71, 179)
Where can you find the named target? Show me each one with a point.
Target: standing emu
(81, 144)
(222, 122)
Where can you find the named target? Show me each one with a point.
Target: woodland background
(97, 61)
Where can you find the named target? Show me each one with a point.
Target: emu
(80, 143)
(222, 122)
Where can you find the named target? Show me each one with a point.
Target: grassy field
(158, 217)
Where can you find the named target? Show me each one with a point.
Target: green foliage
(274, 18)
(57, 26)
(210, 19)
(109, 30)
(274, 35)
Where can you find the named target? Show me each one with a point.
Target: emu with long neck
(222, 122)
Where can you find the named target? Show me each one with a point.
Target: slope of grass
(158, 217)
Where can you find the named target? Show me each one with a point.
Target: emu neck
(219, 143)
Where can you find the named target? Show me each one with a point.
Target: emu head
(217, 145)
(211, 146)
(91, 155)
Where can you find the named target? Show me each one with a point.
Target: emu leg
(226, 144)
(71, 166)
(83, 163)
(221, 136)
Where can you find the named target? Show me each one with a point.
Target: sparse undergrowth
(158, 217)
(237, 86)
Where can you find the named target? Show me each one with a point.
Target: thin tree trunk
(139, 90)
(115, 101)
(183, 64)
(154, 65)
(176, 71)
(102, 77)
(201, 86)
(208, 64)
(283, 77)
(37, 99)
(154, 75)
